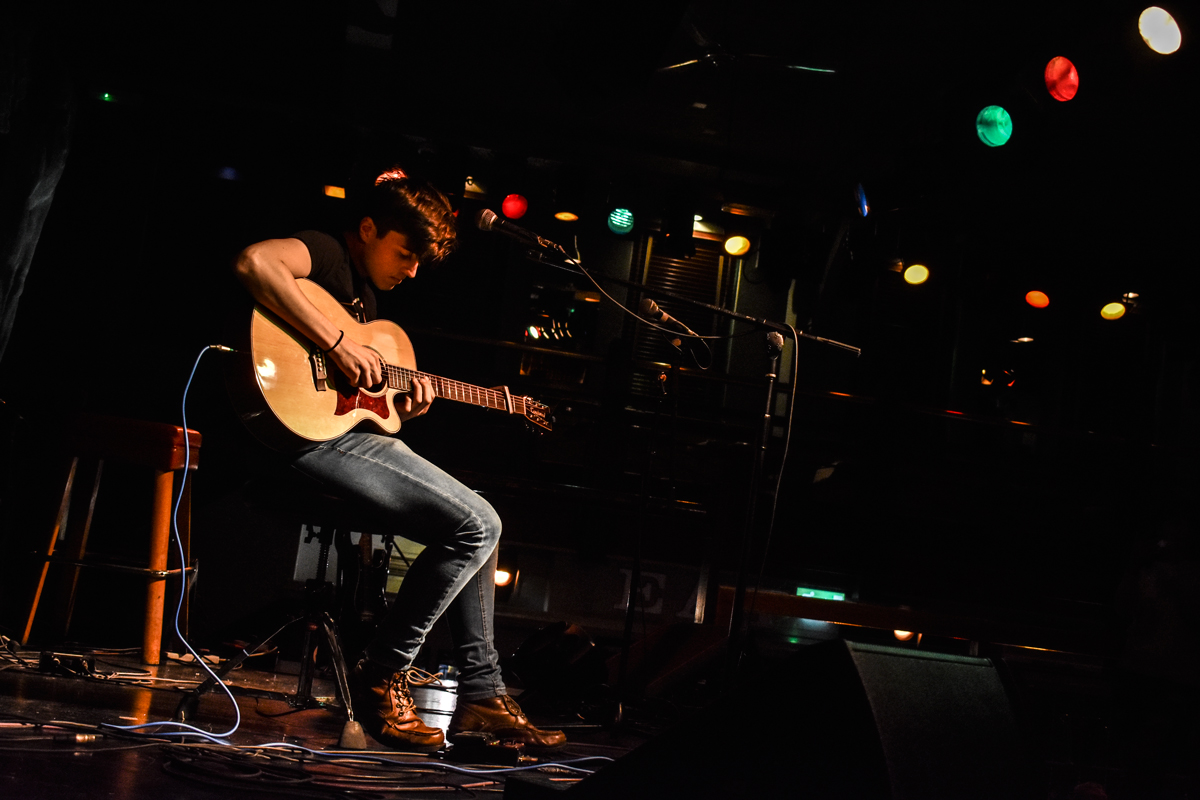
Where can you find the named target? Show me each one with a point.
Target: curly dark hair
(414, 208)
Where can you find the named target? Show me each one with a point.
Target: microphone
(650, 309)
(488, 220)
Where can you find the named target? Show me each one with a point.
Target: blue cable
(188, 730)
(222, 738)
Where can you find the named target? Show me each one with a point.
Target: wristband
(333, 346)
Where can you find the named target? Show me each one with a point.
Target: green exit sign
(819, 594)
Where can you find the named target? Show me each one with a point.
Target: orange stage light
(1037, 299)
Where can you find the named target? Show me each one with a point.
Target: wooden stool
(88, 441)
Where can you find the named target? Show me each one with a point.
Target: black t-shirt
(334, 272)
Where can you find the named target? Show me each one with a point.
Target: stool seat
(87, 441)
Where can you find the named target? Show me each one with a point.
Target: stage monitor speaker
(839, 720)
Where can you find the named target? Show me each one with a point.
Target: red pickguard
(347, 403)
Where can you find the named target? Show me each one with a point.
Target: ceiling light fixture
(1113, 311)
(994, 126)
(620, 221)
(1159, 30)
(1062, 79)
(737, 245)
(514, 206)
(1037, 299)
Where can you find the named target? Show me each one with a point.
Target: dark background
(935, 498)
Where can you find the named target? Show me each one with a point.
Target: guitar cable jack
(222, 348)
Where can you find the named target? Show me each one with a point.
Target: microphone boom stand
(737, 627)
(737, 624)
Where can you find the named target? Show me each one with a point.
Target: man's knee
(490, 524)
(486, 524)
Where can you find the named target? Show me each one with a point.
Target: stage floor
(60, 759)
(747, 738)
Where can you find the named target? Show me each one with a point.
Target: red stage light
(514, 206)
(1062, 80)
(1037, 299)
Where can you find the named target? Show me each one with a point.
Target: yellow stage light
(916, 274)
(1113, 311)
(737, 245)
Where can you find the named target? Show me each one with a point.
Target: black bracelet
(333, 346)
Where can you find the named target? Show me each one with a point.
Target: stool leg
(64, 504)
(76, 509)
(156, 587)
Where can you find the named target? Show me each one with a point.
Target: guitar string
(463, 392)
(457, 390)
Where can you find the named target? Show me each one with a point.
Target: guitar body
(287, 406)
(291, 396)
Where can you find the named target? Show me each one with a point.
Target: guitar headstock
(538, 415)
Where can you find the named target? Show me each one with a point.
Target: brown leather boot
(503, 718)
(383, 703)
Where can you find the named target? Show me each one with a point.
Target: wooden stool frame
(88, 442)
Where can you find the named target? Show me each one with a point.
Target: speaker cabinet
(840, 720)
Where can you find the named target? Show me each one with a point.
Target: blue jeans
(455, 574)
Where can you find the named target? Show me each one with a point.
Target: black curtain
(35, 124)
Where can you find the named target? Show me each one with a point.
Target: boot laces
(404, 680)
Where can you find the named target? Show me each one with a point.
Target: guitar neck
(401, 378)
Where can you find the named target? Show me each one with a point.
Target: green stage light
(819, 594)
(994, 126)
(620, 220)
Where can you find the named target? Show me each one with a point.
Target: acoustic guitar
(291, 395)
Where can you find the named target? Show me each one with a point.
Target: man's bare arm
(269, 270)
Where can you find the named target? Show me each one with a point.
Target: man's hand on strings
(417, 401)
(364, 368)
(361, 365)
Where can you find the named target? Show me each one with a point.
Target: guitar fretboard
(401, 379)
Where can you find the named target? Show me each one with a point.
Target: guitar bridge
(317, 360)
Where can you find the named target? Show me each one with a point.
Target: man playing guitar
(402, 223)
